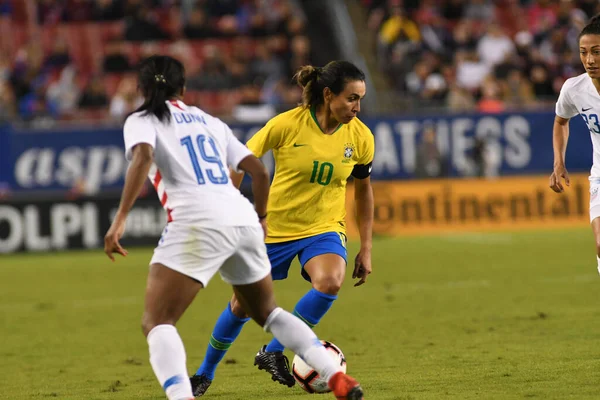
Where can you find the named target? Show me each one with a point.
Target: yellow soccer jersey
(308, 193)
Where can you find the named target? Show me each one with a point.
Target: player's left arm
(142, 157)
(363, 198)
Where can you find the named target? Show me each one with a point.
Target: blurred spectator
(470, 71)
(278, 92)
(8, 109)
(63, 94)
(197, 26)
(142, 26)
(541, 16)
(77, 10)
(430, 162)
(453, 10)
(434, 34)
(59, 57)
(491, 101)
(542, 83)
(479, 10)
(213, 75)
(49, 11)
(6, 8)
(517, 91)
(299, 54)
(495, 46)
(266, 64)
(108, 10)
(459, 99)
(34, 106)
(398, 27)
(115, 59)
(94, 94)
(127, 99)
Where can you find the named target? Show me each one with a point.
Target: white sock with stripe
(298, 337)
(167, 357)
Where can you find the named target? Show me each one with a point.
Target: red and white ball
(309, 379)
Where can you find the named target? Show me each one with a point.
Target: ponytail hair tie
(160, 78)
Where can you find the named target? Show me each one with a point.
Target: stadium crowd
(479, 55)
(74, 59)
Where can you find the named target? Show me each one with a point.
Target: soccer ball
(308, 378)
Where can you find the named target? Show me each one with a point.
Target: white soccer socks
(167, 357)
(298, 337)
(598, 258)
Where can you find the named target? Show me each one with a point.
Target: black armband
(362, 171)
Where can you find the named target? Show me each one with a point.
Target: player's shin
(226, 330)
(310, 309)
(298, 337)
(167, 357)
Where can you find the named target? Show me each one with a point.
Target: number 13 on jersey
(592, 122)
(221, 177)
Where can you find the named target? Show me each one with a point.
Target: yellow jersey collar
(313, 114)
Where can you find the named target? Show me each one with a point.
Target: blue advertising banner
(92, 158)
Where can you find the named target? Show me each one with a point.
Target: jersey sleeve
(564, 106)
(269, 137)
(363, 167)
(138, 130)
(236, 151)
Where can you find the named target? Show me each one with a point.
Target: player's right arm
(140, 139)
(565, 110)
(560, 137)
(260, 186)
(243, 161)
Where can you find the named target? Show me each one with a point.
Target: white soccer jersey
(579, 96)
(192, 152)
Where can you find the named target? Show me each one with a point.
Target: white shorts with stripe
(238, 253)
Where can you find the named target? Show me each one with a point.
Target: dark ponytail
(160, 78)
(592, 28)
(334, 75)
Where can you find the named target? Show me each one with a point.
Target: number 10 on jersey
(322, 173)
(222, 177)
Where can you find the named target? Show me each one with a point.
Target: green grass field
(493, 316)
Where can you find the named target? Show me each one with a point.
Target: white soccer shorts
(594, 199)
(238, 253)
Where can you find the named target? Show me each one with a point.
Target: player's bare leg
(168, 294)
(596, 228)
(259, 302)
(327, 273)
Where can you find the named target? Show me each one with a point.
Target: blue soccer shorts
(281, 254)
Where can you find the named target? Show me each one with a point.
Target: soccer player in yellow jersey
(317, 147)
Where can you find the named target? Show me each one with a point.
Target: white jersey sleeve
(236, 151)
(565, 108)
(138, 129)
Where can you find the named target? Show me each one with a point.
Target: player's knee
(149, 323)
(598, 246)
(329, 284)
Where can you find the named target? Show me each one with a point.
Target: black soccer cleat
(200, 384)
(356, 394)
(275, 363)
